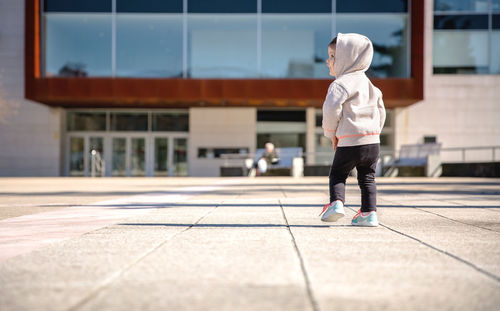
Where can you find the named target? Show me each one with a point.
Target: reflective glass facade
(222, 39)
(77, 44)
(466, 37)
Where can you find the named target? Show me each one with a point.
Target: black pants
(364, 159)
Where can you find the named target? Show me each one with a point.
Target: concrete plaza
(246, 244)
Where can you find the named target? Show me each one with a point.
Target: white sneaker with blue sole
(333, 211)
(368, 219)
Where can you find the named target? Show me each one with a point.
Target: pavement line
(112, 278)
(454, 220)
(310, 294)
(458, 221)
(470, 264)
(23, 234)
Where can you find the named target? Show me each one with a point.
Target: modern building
(163, 88)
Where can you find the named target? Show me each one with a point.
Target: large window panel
(77, 5)
(371, 6)
(296, 6)
(149, 6)
(496, 21)
(125, 121)
(295, 45)
(170, 122)
(222, 45)
(86, 121)
(222, 6)
(461, 5)
(461, 21)
(77, 44)
(495, 5)
(495, 51)
(461, 52)
(389, 35)
(149, 45)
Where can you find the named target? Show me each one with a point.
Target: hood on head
(353, 52)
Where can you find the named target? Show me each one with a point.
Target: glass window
(222, 45)
(296, 6)
(319, 119)
(77, 44)
(495, 5)
(461, 5)
(370, 6)
(295, 45)
(211, 153)
(171, 122)
(222, 6)
(282, 140)
(495, 52)
(86, 121)
(460, 52)
(496, 21)
(77, 6)
(389, 34)
(149, 45)
(460, 21)
(281, 115)
(124, 121)
(149, 6)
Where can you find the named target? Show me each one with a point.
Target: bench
(425, 157)
(290, 163)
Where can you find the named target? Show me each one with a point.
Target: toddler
(353, 117)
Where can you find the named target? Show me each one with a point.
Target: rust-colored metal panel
(210, 92)
(176, 92)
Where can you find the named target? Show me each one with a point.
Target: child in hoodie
(353, 117)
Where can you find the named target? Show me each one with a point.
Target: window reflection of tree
(396, 67)
(73, 70)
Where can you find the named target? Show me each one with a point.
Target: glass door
(170, 156)
(129, 156)
(138, 156)
(180, 157)
(119, 156)
(76, 158)
(161, 156)
(96, 144)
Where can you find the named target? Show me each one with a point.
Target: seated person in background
(268, 158)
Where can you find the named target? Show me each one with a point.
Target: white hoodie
(353, 109)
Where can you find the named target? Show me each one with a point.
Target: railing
(463, 151)
(97, 164)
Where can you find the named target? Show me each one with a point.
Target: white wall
(461, 110)
(218, 127)
(29, 132)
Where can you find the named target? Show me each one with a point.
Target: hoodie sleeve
(381, 109)
(332, 109)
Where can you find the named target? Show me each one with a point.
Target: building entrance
(127, 155)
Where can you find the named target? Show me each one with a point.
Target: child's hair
(333, 44)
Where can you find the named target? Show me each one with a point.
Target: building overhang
(79, 92)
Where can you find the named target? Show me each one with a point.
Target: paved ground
(246, 244)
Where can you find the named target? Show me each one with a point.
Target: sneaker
(333, 211)
(365, 219)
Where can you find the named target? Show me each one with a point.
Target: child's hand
(335, 142)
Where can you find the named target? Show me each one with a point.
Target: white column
(310, 133)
